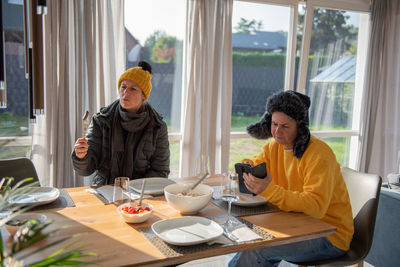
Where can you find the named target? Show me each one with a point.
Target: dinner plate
(187, 230)
(248, 200)
(40, 196)
(154, 185)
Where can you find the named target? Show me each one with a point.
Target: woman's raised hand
(81, 147)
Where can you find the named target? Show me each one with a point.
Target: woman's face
(283, 129)
(131, 96)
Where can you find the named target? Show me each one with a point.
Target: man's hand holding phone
(255, 181)
(254, 184)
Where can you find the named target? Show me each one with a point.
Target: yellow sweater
(312, 184)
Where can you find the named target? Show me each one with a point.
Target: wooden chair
(19, 168)
(364, 190)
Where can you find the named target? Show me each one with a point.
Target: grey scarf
(126, 134)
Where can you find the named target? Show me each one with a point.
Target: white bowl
(188, 204)
(23, 217)
(134, 218)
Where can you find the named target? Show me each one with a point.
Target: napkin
(244, 233)
(220, 240)
(107, 191)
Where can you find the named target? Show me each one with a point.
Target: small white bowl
(135, 218)
(188, 204)
(12, 229)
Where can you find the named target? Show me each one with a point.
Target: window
(259, 48)
(323, 59)
(334, 78)
(155, 35)
(15, 131)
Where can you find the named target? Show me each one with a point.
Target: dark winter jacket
(150, 149)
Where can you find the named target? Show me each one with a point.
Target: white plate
(187, 230)
(41, 195)
(154, 185)
(248, 200)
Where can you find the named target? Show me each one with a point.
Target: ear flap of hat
(301, 142)
(261, 129)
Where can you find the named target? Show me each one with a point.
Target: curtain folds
(84, 55)
(380, 123)
(207, 76)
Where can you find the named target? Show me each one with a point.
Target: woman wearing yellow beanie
(127, 138)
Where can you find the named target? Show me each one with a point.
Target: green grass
(7, 152)
(13, 125)
(240, 122)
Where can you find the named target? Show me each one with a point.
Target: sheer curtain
(380, 129)
(84, 56)
(207, 77)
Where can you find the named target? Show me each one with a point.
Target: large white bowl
(135, 218)
(188, 204)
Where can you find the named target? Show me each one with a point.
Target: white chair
(364, 190)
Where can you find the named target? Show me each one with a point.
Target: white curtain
(380, 129)
(84, 56)
(207, 78)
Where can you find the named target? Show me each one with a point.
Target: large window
(259, 47)
(334, 77)
(15, 131)
(324, 59)
(155, 32)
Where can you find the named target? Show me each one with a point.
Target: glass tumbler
(121, 190)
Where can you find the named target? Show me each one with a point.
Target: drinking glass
(121, 190)
(230, 194)
(221, 185)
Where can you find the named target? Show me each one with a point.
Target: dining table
(99, 229)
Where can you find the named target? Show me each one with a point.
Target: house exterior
(259, 41)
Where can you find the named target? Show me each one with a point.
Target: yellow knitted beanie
(139, 76)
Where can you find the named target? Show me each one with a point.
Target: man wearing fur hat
(127, 138)
(304, 176)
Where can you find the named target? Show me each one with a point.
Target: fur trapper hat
(294, 105)
(141, 75)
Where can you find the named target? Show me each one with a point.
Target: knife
(98, 195)
(230, 236)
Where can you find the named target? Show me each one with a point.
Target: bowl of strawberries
(135, 213)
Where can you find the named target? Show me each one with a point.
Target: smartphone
(259, 171)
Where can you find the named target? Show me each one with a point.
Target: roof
(342, 71)
(259, 40)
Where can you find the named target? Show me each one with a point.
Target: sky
(169, 16)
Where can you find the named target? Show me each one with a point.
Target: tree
(150, 43)
(164, 49)
(247, 26)
(328, 27)
(159, 47)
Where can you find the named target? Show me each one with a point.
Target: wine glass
(230, 194)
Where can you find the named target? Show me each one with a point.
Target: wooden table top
(120, 244)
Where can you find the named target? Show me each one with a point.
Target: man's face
(283, 129)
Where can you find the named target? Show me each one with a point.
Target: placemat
(243, 211)
(63, 201)
(169, 250)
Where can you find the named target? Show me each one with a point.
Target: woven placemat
(169, 250)
(243, 211)
(63, 201)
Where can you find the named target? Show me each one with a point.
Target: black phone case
(259, 171)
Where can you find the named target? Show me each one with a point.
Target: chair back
(19, 168)
(364, 190)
